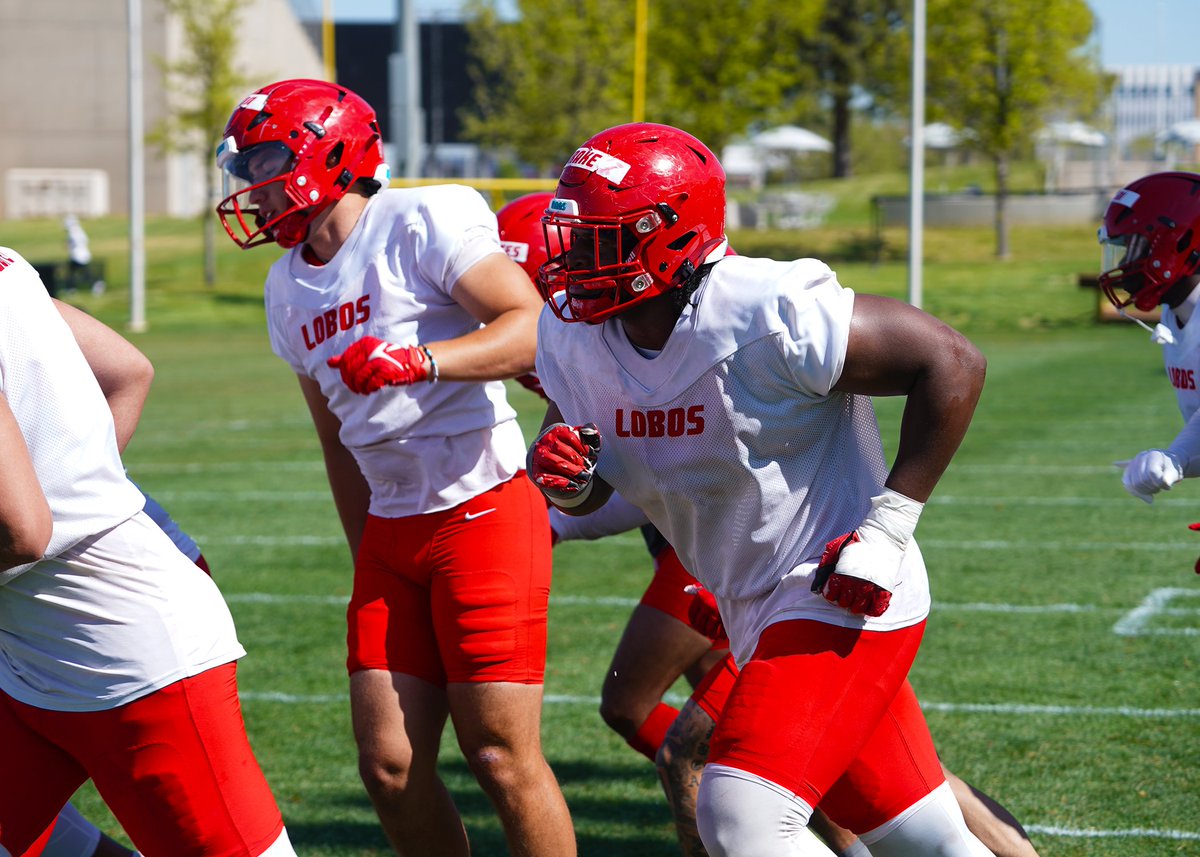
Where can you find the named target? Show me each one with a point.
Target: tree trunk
(842, 167)
(1001, 162)
(210, 230)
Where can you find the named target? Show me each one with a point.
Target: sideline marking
(1016, 709)
(1134, 622)
(1090, 833)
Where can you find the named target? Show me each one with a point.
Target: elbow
(26, 540)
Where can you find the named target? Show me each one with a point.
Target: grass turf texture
(1035, 552)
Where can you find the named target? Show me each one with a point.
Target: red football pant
(175, 767)
(459, 595)
(827, 713)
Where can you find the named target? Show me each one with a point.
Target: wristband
(433, 367)
(893, 517)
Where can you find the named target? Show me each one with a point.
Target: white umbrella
(1186, 131)
(791, 138)
(1074, 133)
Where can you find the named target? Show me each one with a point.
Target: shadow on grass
(617, 811)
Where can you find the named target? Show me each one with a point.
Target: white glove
(1151, 471)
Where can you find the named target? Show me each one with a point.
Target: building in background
(64, 85)
(1147, 100)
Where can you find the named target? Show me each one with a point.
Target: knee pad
(931, 827)
(743, 815)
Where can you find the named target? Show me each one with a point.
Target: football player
(114, 643)
(730, 399)
(1151, 257)
(659, 643)
(400, 314)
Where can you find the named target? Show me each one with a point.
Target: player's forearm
(504, 348)
(937, 414)
(26, 523)
(1186, 446)
(351, 494)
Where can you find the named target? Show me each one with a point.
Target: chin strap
(1160, 334)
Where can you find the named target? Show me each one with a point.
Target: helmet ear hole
(1185, 241)
(682, 241)
(335, 156)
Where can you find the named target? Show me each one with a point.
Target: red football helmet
(1150, 238)
(313, 138)
(640, 206)
(521, 234)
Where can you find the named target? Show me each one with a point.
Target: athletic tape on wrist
(892, 516)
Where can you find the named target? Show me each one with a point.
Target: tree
(857, 50)
(1002, 70)
(550, 78)
(202, 89)
(561, 71)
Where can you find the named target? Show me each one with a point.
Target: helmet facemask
(603, 272)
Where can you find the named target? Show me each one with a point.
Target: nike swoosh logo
(471, 516)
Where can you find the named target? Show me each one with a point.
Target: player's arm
(562, 462)
(25, 520)
(896, 349)
(351, 494)
(123, 372)
(496, 292)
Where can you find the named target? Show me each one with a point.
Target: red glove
(1195, 527)
(704, 616)
(533, 384)
(371, 363)
(562, 460)
(853, 593)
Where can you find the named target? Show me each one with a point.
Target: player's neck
(331, 229)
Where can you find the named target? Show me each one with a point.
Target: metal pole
(137, 178)
(916, 187)
(639, 62)
(327, 44)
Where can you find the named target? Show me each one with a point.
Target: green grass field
(1058, 671)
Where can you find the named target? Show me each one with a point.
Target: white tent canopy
(791, 138)
(1186, 132)
(1072, 133)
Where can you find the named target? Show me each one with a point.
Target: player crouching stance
(729, 398)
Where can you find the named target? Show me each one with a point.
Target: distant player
(729, 398)
(400, 315)
(1151, 244)
(114, 644)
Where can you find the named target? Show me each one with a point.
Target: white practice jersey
(114, 610)
(733, 441)
(423, 447)
(1182, 361)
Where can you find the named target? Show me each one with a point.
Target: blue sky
(1132, 32)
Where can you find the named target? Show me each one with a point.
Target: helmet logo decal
(563, 206)
(1126, 197)
(254, 101)
(600, 163)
